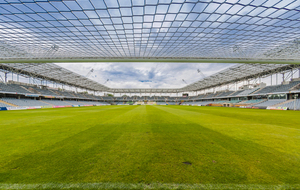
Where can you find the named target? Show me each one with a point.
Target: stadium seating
(198, 97)
(73, 102)
(182, 98)
(173, 98)
(270, 102)
(152, 98)
(160, 98)
(253, 101)
(292, 104)
(267, 89)
(84, 99)
(188, 103)
(233, 101)
(161, 103)
(57, 102)
(81, 96)
(129, 98)
(4, 105)
(210, 95)
(171, 103)
(287, 87)
(236, 93)
(90, 96)
(14, 88)
(107, 98)
(24, 102)
(44, 91)
(119, 98)
(203, 103)
(224, 94)
(221, 101)
(247, 92)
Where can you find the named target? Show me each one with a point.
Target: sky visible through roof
(145, 75)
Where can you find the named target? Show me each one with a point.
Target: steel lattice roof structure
(235, 31)
(52, 72)
(236, 73)
(226, 31)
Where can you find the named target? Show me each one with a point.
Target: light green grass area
(144, 147)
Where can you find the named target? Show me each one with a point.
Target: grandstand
(22, 94)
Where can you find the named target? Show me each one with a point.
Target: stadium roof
(236, 73)
(244, 31)
(55, 73)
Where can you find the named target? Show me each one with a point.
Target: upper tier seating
(236, 93)
(286, 87)
(14, 88)
(267, 89)
(152, 98)
(161, 98)
(44, 91)
(81, 96)
(198, 97)
(107, 98)
(182, 98)
(173, 98)
(210, 96)
(224, 94)
(247, 92)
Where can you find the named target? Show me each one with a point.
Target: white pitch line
(143, 186)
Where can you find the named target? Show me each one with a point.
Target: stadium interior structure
(256, 34)
(253, 94)
(215, 133)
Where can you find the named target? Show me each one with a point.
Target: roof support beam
(153, 59)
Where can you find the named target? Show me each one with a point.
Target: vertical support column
(5, 77)
(271, 80)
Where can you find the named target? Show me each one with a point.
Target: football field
(149, 147)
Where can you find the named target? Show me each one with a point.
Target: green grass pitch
(145, 147)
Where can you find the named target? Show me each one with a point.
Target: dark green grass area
(148, 145)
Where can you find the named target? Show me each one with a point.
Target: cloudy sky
(145, 75)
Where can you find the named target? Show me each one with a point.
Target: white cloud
(145, 75)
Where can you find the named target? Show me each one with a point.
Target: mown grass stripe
(144, 186)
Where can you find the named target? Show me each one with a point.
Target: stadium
(235, 128)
